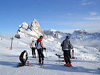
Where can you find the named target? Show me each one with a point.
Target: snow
(27, 30)
(87, 62)
(52, 30)
(24, 25)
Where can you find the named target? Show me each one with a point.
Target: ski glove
(44, 49)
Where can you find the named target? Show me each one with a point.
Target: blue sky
(51, 14)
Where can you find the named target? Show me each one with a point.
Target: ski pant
(41, 56)
(67, 56)
(33, 51)
(23, 61)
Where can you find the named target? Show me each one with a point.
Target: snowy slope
(87, 62)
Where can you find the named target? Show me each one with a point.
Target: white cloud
(67, 31)
(93, 18)
(87, 3)
(93, 13)
(93, 30)
(87, 25)
(84, 3)
(90, 30)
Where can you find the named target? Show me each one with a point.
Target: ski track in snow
(86, 62)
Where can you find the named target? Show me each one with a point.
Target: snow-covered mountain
(26, 30)
(79, 37)
(55, 34)
(77, 34)
(83, 35)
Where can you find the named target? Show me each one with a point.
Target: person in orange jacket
(40, 47)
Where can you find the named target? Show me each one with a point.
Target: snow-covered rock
(55, 34)
(83, 35)
(26, 30)
(24, 25)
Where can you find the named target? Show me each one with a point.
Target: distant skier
(40, 47)
(33, 47)
(23, 58)
(66, 46)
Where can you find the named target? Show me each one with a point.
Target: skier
(66, 46)
(23, 58)
(40, 47)
(33, 47)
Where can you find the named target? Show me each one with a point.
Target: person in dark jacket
(66, 46)
(40, 47)
(23, 58)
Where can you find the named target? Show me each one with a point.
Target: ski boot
(70, 64)
(39, 63)
(67, 65)
(42, 63)
(34, 56)
(63, 61)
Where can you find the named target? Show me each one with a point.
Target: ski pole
(46, 53)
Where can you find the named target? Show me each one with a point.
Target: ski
(29, 65)
(41, 65)
(25, 65)
(99, 69)
(20, 65)
(59, 61)
(72, 67)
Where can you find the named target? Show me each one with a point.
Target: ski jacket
(32, 45)
(66, 45)
(39, 44)
(24, 55)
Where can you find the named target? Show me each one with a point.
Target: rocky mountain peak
(26, 30)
